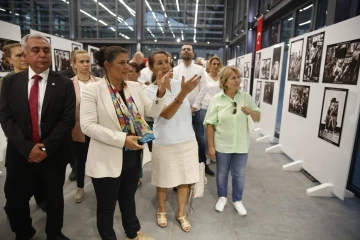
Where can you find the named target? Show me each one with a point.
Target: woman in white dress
(175, 151)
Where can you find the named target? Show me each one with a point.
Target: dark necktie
(34, 107)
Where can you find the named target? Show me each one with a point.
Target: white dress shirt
(145, 75)
(177, 129)
(212, 89)
(42, 88)
(196, 95)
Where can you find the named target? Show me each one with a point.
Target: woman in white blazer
(112, 113)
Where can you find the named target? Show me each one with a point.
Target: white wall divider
(267, 77)
(244, 64)
(231, 62)
(9, 32)
(59, 43)
(328, 158)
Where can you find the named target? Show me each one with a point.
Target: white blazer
(99, 121)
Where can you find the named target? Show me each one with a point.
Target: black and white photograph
(342, 63)
(294, 67)
(238, 62)
(240, 65)
(245, 84)
(75, 47)
(332, 115)
(257, 64)
(265, 68)
(92, 51)
(276, 63)
(313, 55)
(62, 60)
(3, 42)
(268, 92)
(247, 69)
(299, 99)
(258, 93)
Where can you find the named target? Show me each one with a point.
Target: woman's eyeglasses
(235, 107)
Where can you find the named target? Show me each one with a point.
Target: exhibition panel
(243, 63)
(231, 62)
(321, 104)
(267, 77)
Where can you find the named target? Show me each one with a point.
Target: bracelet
(177, 101)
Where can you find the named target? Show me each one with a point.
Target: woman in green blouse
(228, 136)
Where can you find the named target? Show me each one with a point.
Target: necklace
(84, 80)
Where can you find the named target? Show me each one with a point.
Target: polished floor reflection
(277, 205)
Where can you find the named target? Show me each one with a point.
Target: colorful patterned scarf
(131, 122)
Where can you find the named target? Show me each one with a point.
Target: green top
(231, 130)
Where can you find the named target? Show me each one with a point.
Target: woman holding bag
(228, 136)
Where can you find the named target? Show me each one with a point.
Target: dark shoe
(28, 236)
(72, 176)
(58, 237)
(209, 171)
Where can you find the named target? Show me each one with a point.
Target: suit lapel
(108, 103)
(50, 88)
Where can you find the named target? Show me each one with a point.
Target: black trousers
(81, 155)
(21, 182)
(122, 190)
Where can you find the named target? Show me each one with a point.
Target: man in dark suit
(37, 114)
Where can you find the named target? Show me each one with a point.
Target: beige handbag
(197, 189)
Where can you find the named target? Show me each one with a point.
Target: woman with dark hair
(112, 111)
(134, 72)
(175, 151)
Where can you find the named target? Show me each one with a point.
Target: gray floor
(277, 205)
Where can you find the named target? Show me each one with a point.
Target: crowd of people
(186, 115)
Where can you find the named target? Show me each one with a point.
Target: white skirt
(175, 164)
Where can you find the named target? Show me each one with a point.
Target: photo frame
(268, 92)
(342, 63)
(257, 65)
(275, 69)
(61, 60)
(313, 56)
(332, 115)
(92, 50)
(75, 47)
(247, 70)
(265, 68)
(258, 93)
(299, 100)
(295, 59)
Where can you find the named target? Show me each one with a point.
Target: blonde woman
(228, 136)
(80, 62)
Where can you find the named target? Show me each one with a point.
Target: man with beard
(188, 69)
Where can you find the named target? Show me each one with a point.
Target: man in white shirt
(188, 69)
(138, 58)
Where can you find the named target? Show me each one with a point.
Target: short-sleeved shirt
(231, 130)
(177, 129)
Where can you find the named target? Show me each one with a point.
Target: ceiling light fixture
(131, 11)
(177, 5)
(304, 23)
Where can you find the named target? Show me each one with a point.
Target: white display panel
(300, 140)
(58, 43)
(11, 32)
(231, 62)
(243, 63)
(267, 73)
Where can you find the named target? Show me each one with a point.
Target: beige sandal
(161, 219)
(184, 223)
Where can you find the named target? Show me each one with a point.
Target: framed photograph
(62, 60)
(240, 65)
(247, 69)
(268, 92)
(276, 63)
(314, 50)
(299, 99)
(257, 65)
(258, 93)
(245, 84)
(294, 67)
(342, 63)
(75, 46)
(3, 42)
(265, 68)
(332, 115)
(92, 50)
